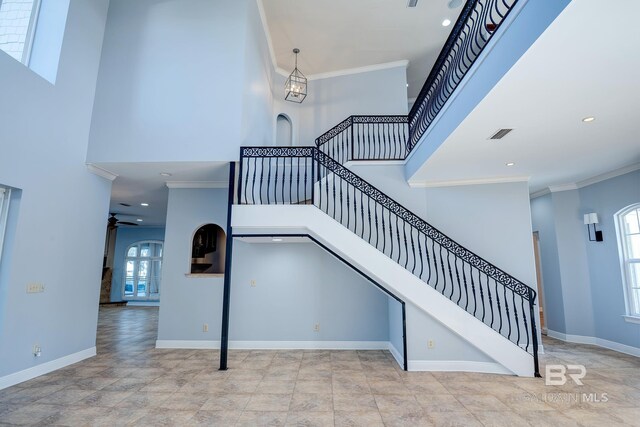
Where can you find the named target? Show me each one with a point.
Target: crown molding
(197, 184)
(608, 175)
(563, 187)
(97, 170)
(540, 193)
(479, 181)
(586, 182)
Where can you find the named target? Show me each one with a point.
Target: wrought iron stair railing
(295, 175)
(394, 137)
(366, 138)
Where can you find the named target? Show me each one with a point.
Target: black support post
(226, 299)
(534, 333)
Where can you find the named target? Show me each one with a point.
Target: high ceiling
(335, 35)
(576, 69)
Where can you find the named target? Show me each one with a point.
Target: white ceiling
(585, 64)
(335, 35)
(142, 183)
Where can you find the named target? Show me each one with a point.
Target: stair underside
(307, 219)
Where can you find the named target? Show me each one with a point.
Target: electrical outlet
(37, 351)
(253, 283)
(316, 327)
(431, 344)
(205, 327)
(35, 288)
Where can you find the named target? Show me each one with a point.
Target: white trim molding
(600, 342)
(197, 184)
(396, 354)
(276, 345)
(631, 319)
(97, 170)
(45, 368)
(479, 181)
(458, 366)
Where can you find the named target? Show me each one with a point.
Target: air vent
(500, 134)
(412, 3)
(126, 205)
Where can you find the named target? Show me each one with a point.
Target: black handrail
(366, 138)
(475, 26)
(288, 175)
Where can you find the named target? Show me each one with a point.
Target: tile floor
(130, 382)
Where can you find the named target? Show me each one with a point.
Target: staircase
(311, 191)
(306, 190)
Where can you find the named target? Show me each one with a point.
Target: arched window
(208, 250)
(628, 229)
(142, 271)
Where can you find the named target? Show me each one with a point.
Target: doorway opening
(536, 251)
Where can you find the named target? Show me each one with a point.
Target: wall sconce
(592, 219)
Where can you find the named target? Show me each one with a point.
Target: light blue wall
(395, 325)
(582, 279)
(333, 99)
(606, 198)
(58, 236)
(173, 80)
(544, 224)
(520, 30)
(125, 237)
(297, 286)
(572, 259)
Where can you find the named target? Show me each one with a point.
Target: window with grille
(142, 271)
(17, 27)
(628, 228)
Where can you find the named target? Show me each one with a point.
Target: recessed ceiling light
(588, 119)
(446, 22)
(276, 239)
(407, 84)
(165, 174)
(144, 204)
(510, 164)
(139, 220)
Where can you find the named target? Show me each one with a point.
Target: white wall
(333, 99)
(297, 286)
(57, 230)
(181, 81)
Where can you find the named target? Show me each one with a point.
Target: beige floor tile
(500, 419)
(311, 402)
(226, 402)
(478, 402)
(215, 418)
(269, 402)
(262, 418)
(439, 403)
(311, 386)
(354, 402)
(390, 402)
(276, 387)
(454, 419)
(370, 418)
(310, 419)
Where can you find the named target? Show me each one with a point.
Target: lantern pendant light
(296, 85)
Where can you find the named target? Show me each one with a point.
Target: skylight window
(17, 27)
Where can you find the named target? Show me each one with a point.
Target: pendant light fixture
(296, 85)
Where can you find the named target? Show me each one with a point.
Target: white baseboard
(600, 342)
(396, 355)
(143, 303)
(458, 366)
(276, 345)
(45, 368)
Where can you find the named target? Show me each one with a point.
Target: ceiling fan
(114, 222)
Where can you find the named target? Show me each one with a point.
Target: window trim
(31, 32)
(5, 199)
(134, 297)
(631, 315)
